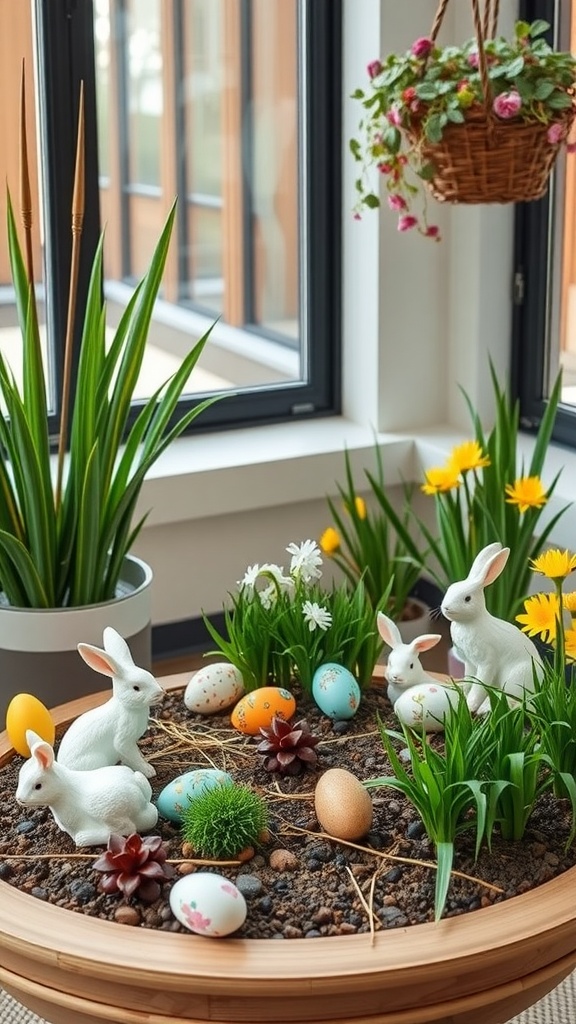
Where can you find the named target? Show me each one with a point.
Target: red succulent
(288, 746)
(134, 865)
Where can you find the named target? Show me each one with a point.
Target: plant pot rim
(132, 562)
(529, 934)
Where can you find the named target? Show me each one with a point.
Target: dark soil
(316, 896)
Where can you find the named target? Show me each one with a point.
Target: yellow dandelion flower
(360, 505)
(467, 456)
(330, 541)
(539, 617)
(569, 602)
(526, 492)
(570, 644)
(440, 479)
(554, 564)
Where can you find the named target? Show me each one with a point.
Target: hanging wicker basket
(486, 159)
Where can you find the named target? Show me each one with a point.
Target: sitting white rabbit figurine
(494, 651)
(109, 733)
(420, 701)
(88, 805)
(404, 668)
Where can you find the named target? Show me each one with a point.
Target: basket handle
(485, 29)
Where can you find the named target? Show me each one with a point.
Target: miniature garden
(293, 790)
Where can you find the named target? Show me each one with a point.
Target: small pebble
(340, 727)
(249, 885)
(246, 854)
(82, 891)
(23, 827)
(127, 915)
(39, 892)
(415, 830)
(265, 905)
(186, 868)
(6, 870)
(283, 860)
(394, 875)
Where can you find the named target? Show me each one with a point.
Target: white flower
(268, 597)
(248, 582)
(306, 557)
(277, 574)
(314, 615)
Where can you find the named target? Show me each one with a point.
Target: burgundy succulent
(134, 865)
(288, 746)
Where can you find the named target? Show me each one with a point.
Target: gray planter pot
(38, 645)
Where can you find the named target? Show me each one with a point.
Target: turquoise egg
(335, 691)
(176, 796)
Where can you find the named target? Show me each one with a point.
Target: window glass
(544, 291)
(199, 99)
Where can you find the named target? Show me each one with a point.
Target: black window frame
(533, 245)
(65, 47)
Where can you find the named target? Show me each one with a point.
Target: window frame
(65, 48)
(533, 284)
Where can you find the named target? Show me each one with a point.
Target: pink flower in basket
(421, 48)
(507, 104)
(418, 105)
(556, 133)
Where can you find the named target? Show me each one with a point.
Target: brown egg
(343, 807)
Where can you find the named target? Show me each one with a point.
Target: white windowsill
(264, 467)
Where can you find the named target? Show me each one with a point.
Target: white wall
(419, 319)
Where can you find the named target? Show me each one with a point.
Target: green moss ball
(224, 820)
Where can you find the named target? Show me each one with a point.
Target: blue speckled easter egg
(176, 796)
(335, 691)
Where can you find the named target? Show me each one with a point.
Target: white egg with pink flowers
(208, 904)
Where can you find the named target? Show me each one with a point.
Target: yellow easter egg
(256, 710)
(27, 712)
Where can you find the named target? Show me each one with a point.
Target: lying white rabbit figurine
(420, 701)
(88, 805)
(404, 668)
(109, 733)
(494, 651)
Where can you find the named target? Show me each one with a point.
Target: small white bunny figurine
(88, 805)
(404, 668)
(494, 651)
(109, 733)
(420, 701)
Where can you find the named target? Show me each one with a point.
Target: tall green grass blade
(444, 857)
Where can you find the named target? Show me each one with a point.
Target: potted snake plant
(66, 520)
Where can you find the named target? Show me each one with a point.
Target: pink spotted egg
(214, 688)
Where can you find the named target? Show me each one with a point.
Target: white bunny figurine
(420, 701)
(494, 651)
(88, 805)
(404, 668)
(109, 733)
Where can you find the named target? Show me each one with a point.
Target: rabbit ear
(117, 646)
(481, 560)
(99, 660)
(388, 630)
(493, 567)
(41, 751)
(426, 641)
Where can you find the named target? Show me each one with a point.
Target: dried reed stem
(25, 191)
(77, 224)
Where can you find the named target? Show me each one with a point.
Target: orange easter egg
(256, 710)
(27, 712)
